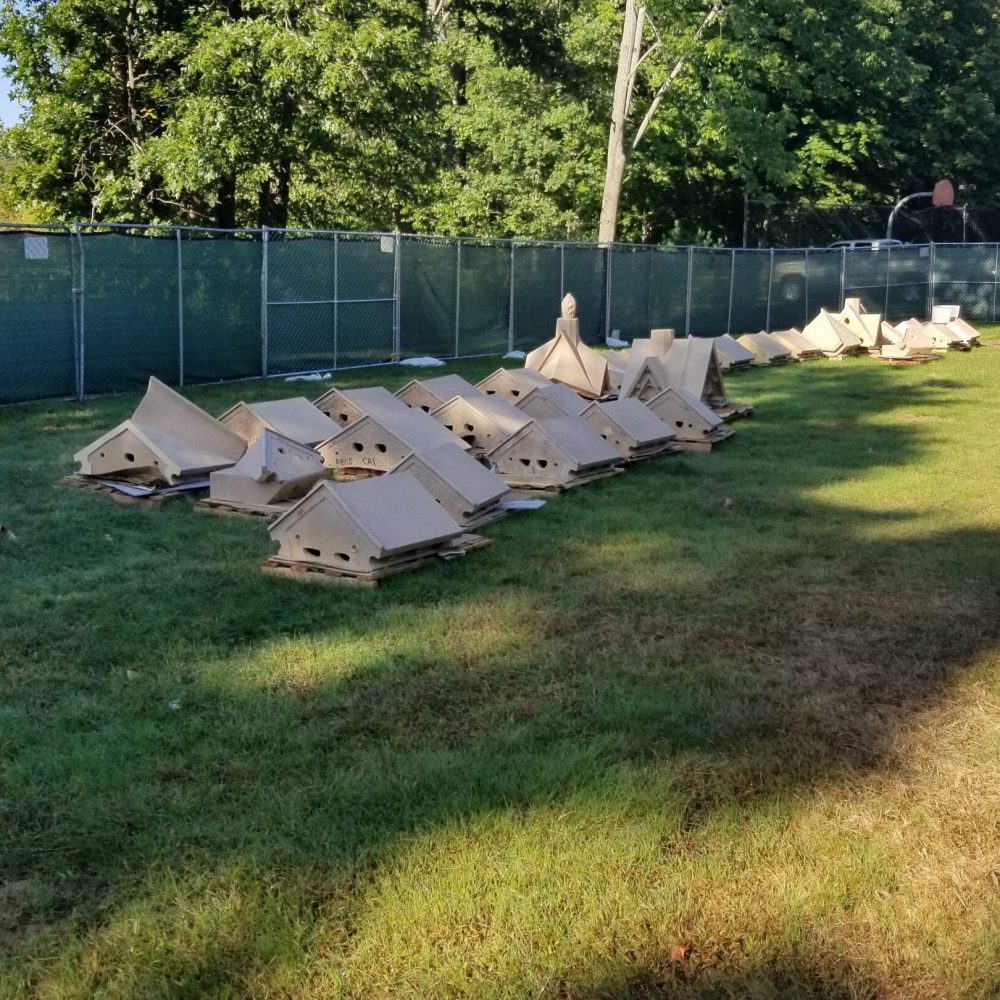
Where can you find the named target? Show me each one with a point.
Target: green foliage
(488, 116)
(531, 155)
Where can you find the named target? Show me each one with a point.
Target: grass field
(726, 725)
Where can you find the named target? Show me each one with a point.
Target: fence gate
(330, 300)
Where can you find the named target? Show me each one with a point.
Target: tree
(212, 113)
(632, 54)
(948, 122)
(492, 116)
(518, 129)
(529, 148)
(96, 83)
(782, 99)
(272, 99)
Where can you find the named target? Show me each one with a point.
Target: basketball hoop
(943, 195)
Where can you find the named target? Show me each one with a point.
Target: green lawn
(746, 704)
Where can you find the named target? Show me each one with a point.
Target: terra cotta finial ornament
(569, 306)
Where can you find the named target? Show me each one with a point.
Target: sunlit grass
(745, 704)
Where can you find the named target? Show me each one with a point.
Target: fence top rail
(70, 228)
(161, 225)
(518, 241)
(326, 232)
(24, 227)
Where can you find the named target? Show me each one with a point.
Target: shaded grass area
(726, 725)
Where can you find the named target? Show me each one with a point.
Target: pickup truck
(909, 272)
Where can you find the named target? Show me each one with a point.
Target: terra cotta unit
(631, 428)
(732, 354)
(167, 438)
(951, 317)
(428, 394)
(346, 406)
(540, 404)
(696, 426)
(274, 471)
(556, 453)
(466, 489)
(801, 348)
(831, 336)
(906, 340)
(482, 421)
(567, 359)
(296, 419)
(645, 376)
(365, 526)
(865, 325)
(566, 402)
(692, 365)
(368, 445)
(944, 337)
(512, 383)
(766, 350)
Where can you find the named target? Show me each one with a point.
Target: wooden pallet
(704, 446)
(465, 543)
(351, 474)
(733, 411)
(152, 500)
(920, 359)
(313, 573)
(528, 489)
(486, 517)
(266, 513)
(670, 448)
(331, 576)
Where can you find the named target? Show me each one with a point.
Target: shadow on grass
(166, 705)
(804, 979)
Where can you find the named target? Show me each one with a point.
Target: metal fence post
(805, 319)
(180, 311)
(649, 290)
(82, 386)
(770, 284)
(263, 303)
(931, 268)
(888, 271)
(608, 257)
(562, 271)
(732, 283)
(510, 309)
(687, 301)
(843, 276)
(397, 346)
(336, 299)
(75, 305)
(458, 292)
(996, 266)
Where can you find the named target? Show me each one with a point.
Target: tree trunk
(630, 56)
(614, 174)
(225, 209)
(272, 199)
(618, 149)
(460, 80)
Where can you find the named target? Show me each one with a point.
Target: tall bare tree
(632, 53)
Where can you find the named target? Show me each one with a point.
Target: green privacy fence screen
(98, 308)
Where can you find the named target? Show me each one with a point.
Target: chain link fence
(100, 308)
(796, 224)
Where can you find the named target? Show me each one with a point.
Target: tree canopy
(489, 116)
